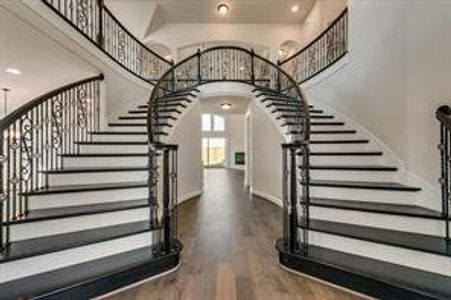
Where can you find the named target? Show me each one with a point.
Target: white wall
(266, 155)
(45, 64)
(235, 138)
(399, 71)
(187, 134)
(178, 35)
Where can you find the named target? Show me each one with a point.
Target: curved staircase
(99, 210)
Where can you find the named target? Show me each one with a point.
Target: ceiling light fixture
(294, 8)
(13, 71)
(168, 57)
(226, 106)
(223, 9)
(281, 52)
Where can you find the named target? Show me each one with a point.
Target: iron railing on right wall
(321, 53)
(443, 115)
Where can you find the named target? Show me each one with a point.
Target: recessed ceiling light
(294, 8)
(13, 71)
(281, 52)
(223, 9)
(226, 106)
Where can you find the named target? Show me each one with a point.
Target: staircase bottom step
(368, 276)
(94, 278)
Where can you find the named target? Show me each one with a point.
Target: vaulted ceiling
(160, 12)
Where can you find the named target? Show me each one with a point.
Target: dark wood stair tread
(355, 141)
(341, 268)
(77, 188)
(346, 153)
(99, 154)
(76, 170)
(47, 214)
(413, 241)
(113, 143)
(59, 242)
(377, 207)
(91, 279)
(118, 132)
(372, 185)
(353, 167)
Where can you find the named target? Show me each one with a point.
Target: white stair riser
(66, 225)
(106, 161)
(95, 148)
(82, 198)
(128, 128)
(355, 175)
(96, 177)
(119, 138)
(393, 222)
(134, 121)
(381, 196)
(342, 147)
(57, 260)
(347, 160)
(410, 258)
(333, 137)
(329, 127)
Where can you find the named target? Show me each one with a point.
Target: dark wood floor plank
(229, 252)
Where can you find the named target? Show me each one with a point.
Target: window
(213, 152)
(213, 140)
(218, 123)
(213, 123)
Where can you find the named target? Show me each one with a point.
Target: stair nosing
(78, 244)
(371, 239)
(367, 185)
(87, 188)
(104, 208)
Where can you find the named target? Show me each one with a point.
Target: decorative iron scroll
(34, 137)
(321, 53)
(93, 19)
(224, 64)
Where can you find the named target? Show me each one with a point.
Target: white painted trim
(189, 196)
(336, 67)
(388, 152)
(266, 196)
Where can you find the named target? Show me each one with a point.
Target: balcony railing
(93, 19)
(321, 53)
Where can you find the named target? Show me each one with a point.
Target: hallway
(228, 250)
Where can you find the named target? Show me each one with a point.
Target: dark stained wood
(229, 252)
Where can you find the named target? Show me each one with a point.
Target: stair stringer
(428, 197)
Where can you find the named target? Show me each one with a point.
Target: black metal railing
(96, 22)
(321, 53)
(228, 64)
(443, 115)
(34, 136)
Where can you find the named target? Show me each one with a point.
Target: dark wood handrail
(336, 20)
(19, 112)
(443, 114)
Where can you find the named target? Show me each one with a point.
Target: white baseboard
(189, 195)
(266, 196)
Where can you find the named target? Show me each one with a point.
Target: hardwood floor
(229, 251)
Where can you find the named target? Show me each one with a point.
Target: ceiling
(205, 11)
(213, 104)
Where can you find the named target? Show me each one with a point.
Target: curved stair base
(367, 276)
(93, 278)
